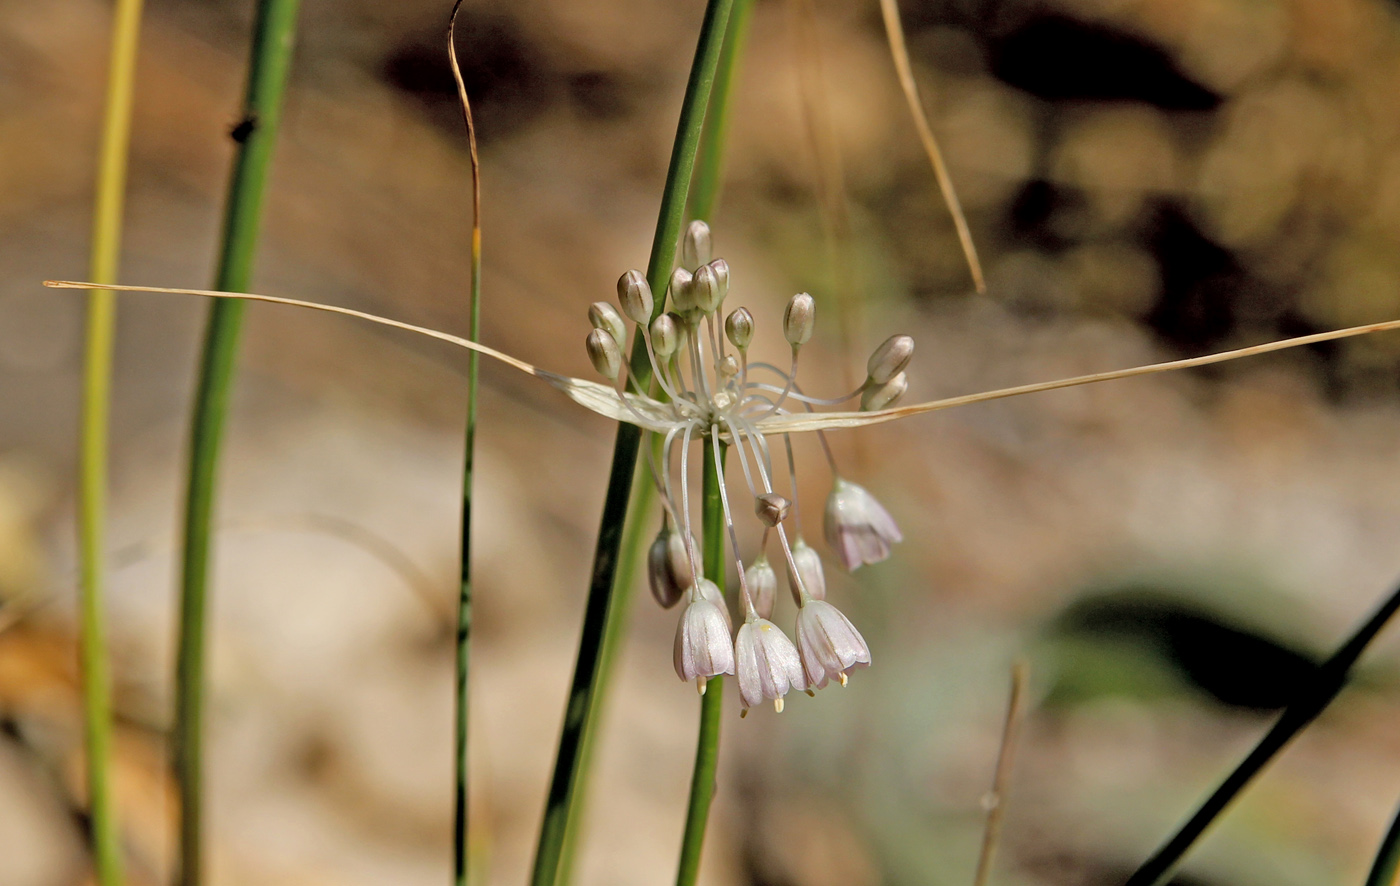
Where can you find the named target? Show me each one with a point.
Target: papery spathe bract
(857, 527)
(828, 644)
(766, 664)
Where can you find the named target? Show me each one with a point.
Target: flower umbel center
(709, 390)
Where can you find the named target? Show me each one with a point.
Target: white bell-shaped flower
(766, 663)
(858, 527)
(828, 644)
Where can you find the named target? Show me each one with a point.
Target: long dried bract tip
(894, 31)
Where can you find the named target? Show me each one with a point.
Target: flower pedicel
(709, 389)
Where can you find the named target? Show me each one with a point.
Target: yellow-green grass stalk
(104, 830)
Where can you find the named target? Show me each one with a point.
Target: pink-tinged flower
(763, 586)
(829, 645)
(766, 664)
(858, 527)
(809, 569)
(668, 567)
(703, 645)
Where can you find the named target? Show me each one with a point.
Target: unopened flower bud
(771, 508)
(721, 269)
(668, 567)
(665, 337)
(634, 294)
(882, 396)
(799, 318)
(682, 331)
(738, 326)
(604, 316)
(890, 358)
(604, 352)
(696, 245)
(706, 290)
(809, 569)
(763, 585)
(682, 291)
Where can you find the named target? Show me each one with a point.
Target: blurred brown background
(1144, 178)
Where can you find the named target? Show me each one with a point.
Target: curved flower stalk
(712, 393)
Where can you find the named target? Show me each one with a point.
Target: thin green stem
(108, 209)
(709, 173)
(256, 134)
(580, 712)
(461, 797)
(1311, 700)
(702, 780)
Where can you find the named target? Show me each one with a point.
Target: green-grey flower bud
(707, 292)
(668, 567)
(604, 316)
(682, 331)
(799, 318)
(721, 269)
(882, 396)
(634, 294)
(665, 337)
(771, 508)
(890, 358)
(763, 585)
(738, 326)
(604, 352)
(696, 245)
(682, 290)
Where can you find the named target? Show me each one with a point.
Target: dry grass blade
(889, 9)
(996, 798)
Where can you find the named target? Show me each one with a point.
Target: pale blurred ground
(1145, 178)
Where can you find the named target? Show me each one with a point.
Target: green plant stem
(702, 780)
(709, 173)
(1312, 699)
(580, 711)
(635, 536)
(267, 78)
(461, 846)
(108, 209)
(1387, 861)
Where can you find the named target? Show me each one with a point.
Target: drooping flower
(766, 664)
(668, 567)
(857, 527)
(829, 645)
(703, 646)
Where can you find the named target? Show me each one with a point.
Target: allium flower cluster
(709, 390)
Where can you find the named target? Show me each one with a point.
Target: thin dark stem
(1311, 700)
(1001, 781)
(1387, 857)
(461, 796)
(580, 711)
(702, 780)
(256, 134)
